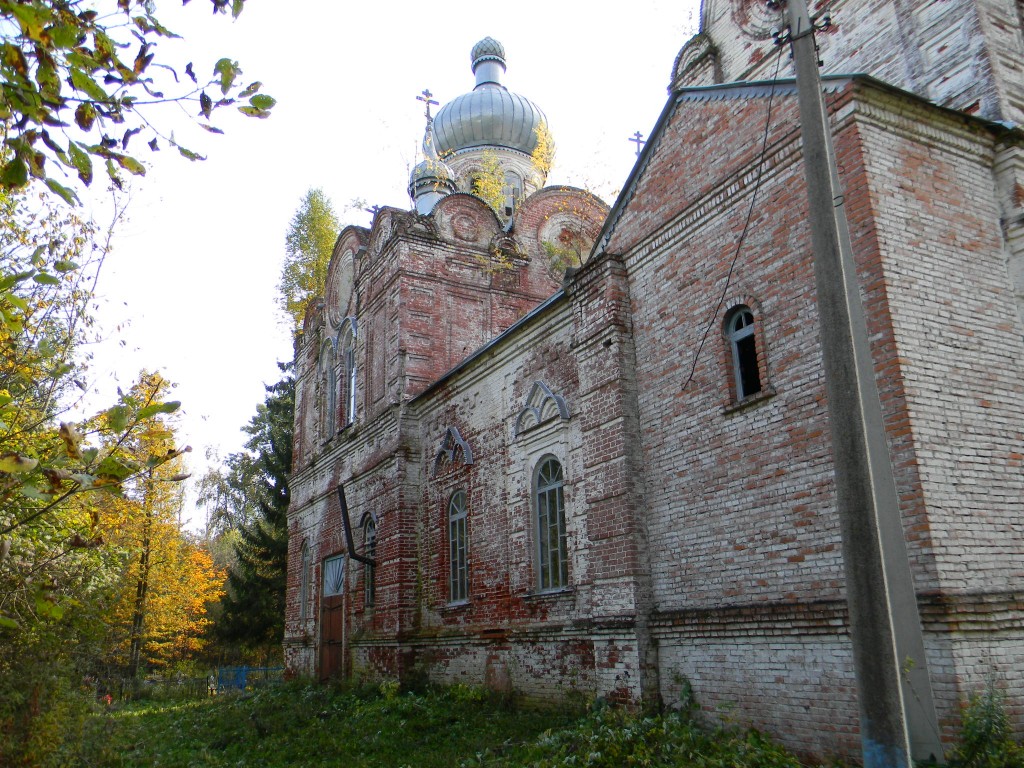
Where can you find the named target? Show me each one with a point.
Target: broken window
(743, 342)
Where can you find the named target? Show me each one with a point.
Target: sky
(190, 288)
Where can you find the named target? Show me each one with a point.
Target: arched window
(552, 552)
(458, 547)
(347, 379)
(304, 579)
(326, 402)
(746, 372)
(370, 551)
(513, 187)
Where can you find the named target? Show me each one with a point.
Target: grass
(298, 725)
(459, 727)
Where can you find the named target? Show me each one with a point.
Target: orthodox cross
(638, 139)
(372, 210)
(427, 98)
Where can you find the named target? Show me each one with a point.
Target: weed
(985, 740)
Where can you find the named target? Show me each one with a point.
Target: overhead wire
(746, 224)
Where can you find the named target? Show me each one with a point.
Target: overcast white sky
(192, 280)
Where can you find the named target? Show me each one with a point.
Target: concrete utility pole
(885, 625)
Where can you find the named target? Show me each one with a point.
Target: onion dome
(431, 179)
(489, 115)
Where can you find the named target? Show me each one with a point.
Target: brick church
(587, 449)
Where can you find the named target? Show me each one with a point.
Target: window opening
(326, 393)
(457, 542)
(552, 554)
(348, 376)
(746, 372)
(334, 575)
(369, 570)
(304, 583)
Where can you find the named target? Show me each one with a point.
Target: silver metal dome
(431, 179)
(489, 115)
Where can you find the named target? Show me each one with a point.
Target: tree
(543, 156)
(60, 563)
(253, 613)
(159, 615)
(308, 247)
(224, 492)
(488, 182)
(69, 97)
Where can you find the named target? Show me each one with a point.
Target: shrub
(985, 740)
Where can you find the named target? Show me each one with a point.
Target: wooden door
(332, 638)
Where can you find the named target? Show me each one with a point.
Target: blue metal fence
(247, 678)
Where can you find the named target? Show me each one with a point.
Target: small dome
(431, 170)
(489, 115)
(487, 49)
(431, 179)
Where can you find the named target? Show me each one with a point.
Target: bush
(985, 740)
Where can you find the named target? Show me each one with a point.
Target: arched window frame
(347, 374)
(551, 551)
(304, 582)
(458, 547)
(326, 395)
(745, 353)
(369, 571)
(513, 187)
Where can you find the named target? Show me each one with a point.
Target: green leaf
(210, 128)
(19, 302)
(65, 35)
(228, 71)
(82, 82)
(89, 455)
(63, 265)
(188, 153)
(83, 479)
(250, 90)
(68, 195)
(48, 608)
(131, 165)
(15, 174)
(8, 623)
(85, 115)
(153, 410)
(44, 278)
(254, 112)
(16, 464)
(32, 20)
(113, 470)
(82, 162)
(31, 492)
(117, 418)
(263, 101)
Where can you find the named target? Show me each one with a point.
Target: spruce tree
(254, 604)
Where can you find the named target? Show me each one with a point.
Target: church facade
(616, 478)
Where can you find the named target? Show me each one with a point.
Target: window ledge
(749, 402)
(456, 605)
(551, 594)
